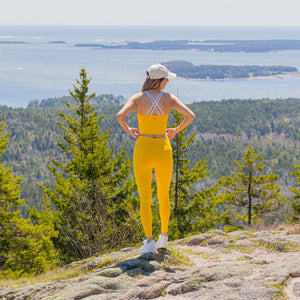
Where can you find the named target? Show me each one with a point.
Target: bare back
(144, 104)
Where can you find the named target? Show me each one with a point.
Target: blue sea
(39, 69)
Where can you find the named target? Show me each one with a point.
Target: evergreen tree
(250, 188)
(193, 210)
(296, 200)
(24, 248)
(93, 192)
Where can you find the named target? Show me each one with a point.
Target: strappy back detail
(155, 106)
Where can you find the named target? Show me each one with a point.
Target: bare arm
(121, 115)
(189, 116)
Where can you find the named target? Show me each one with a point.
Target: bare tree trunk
(249, 199)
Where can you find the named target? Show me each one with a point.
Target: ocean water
(39, 69)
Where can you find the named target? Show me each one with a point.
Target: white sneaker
(162, 242)
(148, 247)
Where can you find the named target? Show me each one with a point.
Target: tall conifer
(93, 192)
(193, 209)
(25, 249)
(251, 191)
(296, 200)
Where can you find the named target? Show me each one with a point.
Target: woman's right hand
(134, 132)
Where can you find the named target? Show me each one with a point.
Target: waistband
(152, 140)
(161, 136)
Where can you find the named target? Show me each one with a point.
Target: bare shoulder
(129, 106)
(178, 105)
(173, 99)
(169, 98)
(136, 97)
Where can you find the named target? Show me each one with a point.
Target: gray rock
(198, 239)
(137, 273)
(296, 289)
(79, 292)
(231, 274)
(111, 272)
(238, 233)
(243, 243)
(216, 241)
(243, 236)
(260, 261)
(295, 239)
(282, 246)
(233, 282)
(147, 266)
(295, 271)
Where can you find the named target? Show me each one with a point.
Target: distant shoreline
(187, 70)
(280, 76)
(205, 45)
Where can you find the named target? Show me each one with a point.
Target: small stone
(233, 282)
(282, 246)
(295, 272)
(215, 241)
(260, 262)
(198, 239)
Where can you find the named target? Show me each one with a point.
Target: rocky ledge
(215, 265)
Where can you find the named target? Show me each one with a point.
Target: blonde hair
(151, 84)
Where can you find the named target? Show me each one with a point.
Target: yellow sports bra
(153, 124)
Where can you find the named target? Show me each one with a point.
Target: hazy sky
(151, 12)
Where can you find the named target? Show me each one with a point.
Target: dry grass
(49, 276)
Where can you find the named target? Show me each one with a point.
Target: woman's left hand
(171, 132)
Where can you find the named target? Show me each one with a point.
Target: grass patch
(105, 263)
(176, 258)
(263, 245)
(272, 247)
(280, 294)
(191, 251)
(210, 256)
(244, 257)
(47, 277)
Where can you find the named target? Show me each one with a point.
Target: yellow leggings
(153, 153)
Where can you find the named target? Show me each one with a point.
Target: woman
(153, 149)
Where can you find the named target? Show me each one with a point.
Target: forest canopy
(224, 129)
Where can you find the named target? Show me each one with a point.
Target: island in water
(207, 45)
(186, 69)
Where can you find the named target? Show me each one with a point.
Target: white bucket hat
(158, 71)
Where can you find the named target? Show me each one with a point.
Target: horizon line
(155, 25)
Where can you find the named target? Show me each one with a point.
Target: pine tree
(193, 210)
(93, 192)
(296, 200)
(25, 249)
(250, 188)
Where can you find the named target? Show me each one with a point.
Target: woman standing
(153, 149)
